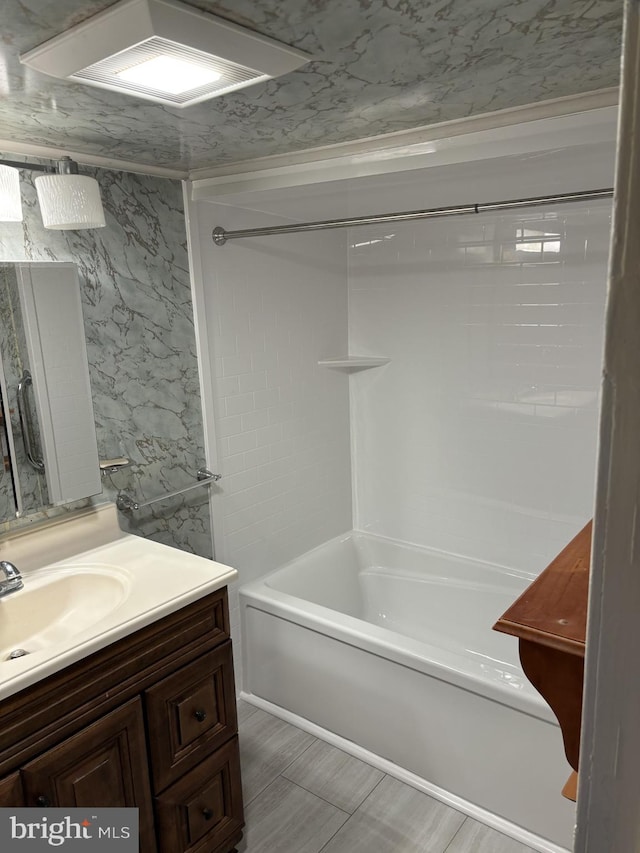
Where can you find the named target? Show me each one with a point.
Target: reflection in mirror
(31, 486)
(27, 428)
(46, 378)
(8, 496)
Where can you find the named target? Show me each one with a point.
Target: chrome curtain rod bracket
(125, 503)
(220, 236)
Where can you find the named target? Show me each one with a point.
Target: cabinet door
(11, 795)
(105, 765)
(190, 714)
(202, 812)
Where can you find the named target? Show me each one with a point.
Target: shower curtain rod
(220, 236)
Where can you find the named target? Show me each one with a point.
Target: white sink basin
(86, 585)
(54, 606)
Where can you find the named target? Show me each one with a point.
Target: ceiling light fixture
(164, 51)
(68, 201)
(169, 74)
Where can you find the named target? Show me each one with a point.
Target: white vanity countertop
(90, 596)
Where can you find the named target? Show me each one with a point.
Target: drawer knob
(200, 715)
(43, 801)
(207, 814)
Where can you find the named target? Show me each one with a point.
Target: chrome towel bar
(126, 503)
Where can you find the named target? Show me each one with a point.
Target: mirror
(47, 439)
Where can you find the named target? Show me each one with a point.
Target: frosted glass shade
(70, 202)
(10, 203)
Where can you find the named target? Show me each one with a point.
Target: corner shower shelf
(353, 362)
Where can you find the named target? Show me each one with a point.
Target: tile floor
(304, 796)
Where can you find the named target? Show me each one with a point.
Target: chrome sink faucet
(13, 578)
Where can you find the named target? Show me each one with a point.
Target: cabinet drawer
(190, 714)
(202, 812)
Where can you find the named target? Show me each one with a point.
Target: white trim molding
(12, 146)
(591, 117)
(204, 351)
(608, 814)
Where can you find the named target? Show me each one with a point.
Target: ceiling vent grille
(231, 75)
(200, 56)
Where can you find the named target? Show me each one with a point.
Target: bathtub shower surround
(478, 435)
(137, 308)
(484, 423)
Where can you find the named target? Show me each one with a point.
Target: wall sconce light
(68, 201)
(10, 201)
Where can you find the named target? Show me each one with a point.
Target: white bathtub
(388, 648)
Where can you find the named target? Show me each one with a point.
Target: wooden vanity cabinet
(149, 722)
(103, 764)
(11, 795)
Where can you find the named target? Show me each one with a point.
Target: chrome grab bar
(26, 423)
(126, 503)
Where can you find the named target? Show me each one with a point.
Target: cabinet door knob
(207, 814)
(43, 801)
(200, 715)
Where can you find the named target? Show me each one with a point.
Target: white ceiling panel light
(163, 51)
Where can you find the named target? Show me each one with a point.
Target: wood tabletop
(552, 611)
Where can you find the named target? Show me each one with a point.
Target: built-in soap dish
(112, 466)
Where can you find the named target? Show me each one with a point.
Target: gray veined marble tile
(475, 837)
(396, 818)
(267, 746)
(136, 300)
(287, 819)
(333, 775)
(377, 67)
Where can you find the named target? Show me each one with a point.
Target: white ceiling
(379, 66)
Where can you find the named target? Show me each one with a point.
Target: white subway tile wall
(479, 436)
(273, 309)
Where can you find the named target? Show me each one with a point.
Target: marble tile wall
(141, 346)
